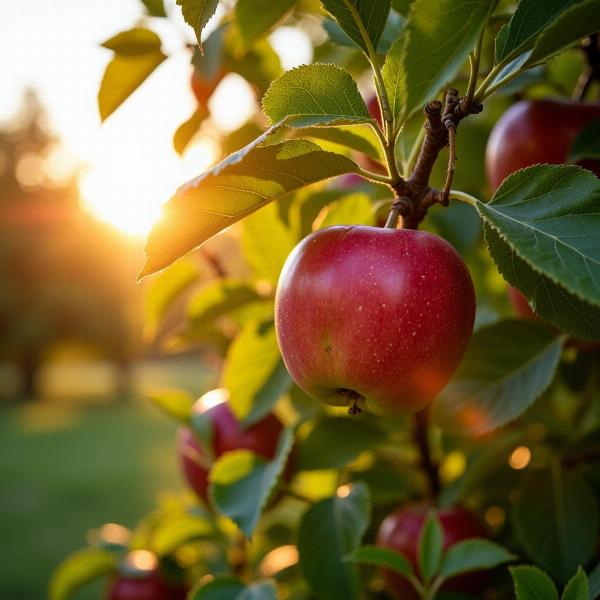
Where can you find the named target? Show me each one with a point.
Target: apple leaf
(188, 129)
(549, 300)
(577, 588)
(315, 95)
(361, 138)
(178, 530)
(532, 583)
(433, 46)
(155, 8)
(234, 189)
(78, 569)
(241, 482)
(329, 531)
(362, 20)
(228, 588)
(574, 23)
(549, 216)
(266, 242)
(255, 18)
(556, 521)
(254, 373)
(197, 14)
(218, 298)
(335, 441)
(175, 403)
(385, 558)
(402, 6)
(431, 542)
(529, 19)
(587, 143)
(137, 54)
(497, 380)
(473, 555)
(354, 209)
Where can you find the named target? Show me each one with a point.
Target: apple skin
(383, 313)
(144, 587)
(400, 531)
(228, 435)
(203, 88)
(374, 110)
(537, 131)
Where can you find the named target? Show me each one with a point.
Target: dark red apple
(203, 88)
(537, 131)
(227, 435)
(400, 531)
(374, 317)
(374, 109)
(144, 586)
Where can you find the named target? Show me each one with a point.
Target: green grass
(66, 468)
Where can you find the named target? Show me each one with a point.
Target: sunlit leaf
(355, 209)
(134, 41)
(197, 14)
(155, 8)
(255, 18)
(188, 129)
(176, 403)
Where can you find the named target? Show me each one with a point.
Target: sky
(130, 167)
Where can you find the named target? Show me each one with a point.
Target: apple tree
(406, 324)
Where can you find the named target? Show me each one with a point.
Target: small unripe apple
(227, 435)
(400, 531)
(537, 131)
(374, 317)
(203, 88)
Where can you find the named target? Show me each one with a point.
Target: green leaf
(473, 555)
(133, 42)
(431, 541)
(137, 54)
(576, 22)
(266, 242)
(499, 380)
(532, 583)
(528, 21)
(556, 521)
(578, 587)
(594, 583)
(549, 216)
(335, 441)
(234, 189)
(315, 95)
(155, 8)
(361, 138)
(256, 18)
(587, 142)
(241, 482)
(402, 6)
(176, 403)
(548, 299)
(254, 373)
(385, 558)
(77, 570)
(197, 14)
(434, 45)
(164, 290)
(362, 20)
(228, 588)
(188, 129)
(177, 531)
(355, 209)
(330, 530)
(217, 299)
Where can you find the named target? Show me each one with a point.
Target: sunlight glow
(213, 398)
(141, 560)
(520, 457)
(278, 559)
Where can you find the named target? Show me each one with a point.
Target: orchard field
(359, 355)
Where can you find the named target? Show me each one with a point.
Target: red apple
(374, 109)
(144, 586)
(400, 531)
(375, 317)
(203, 88)
(227, 435)
(537, 131)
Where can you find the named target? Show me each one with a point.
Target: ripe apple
(400, 531)
(227, 435)
(144, 586)
(374, 109)
(537, 131)
(373, 317)
(203, 88)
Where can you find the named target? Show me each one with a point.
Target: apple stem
(429, 466)
(591, 72)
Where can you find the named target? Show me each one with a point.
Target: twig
(421, 438)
